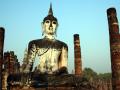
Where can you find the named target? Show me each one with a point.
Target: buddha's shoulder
(45, 42)
(36, 42)
(61, 43)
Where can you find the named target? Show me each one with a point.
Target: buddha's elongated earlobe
(55, 34)
(42, 33)
(42, 28)
(56, 30)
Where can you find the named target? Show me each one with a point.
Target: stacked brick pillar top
(114, 47)
(1, 53)
(77, 55)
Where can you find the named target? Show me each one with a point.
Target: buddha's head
(50, 23)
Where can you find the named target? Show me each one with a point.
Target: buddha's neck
(51, 37)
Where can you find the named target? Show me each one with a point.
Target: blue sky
(22, 22)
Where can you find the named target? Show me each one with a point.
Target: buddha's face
(49, 27)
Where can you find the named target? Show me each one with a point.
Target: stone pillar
(77, 55)
(1, 53)
(114, 47)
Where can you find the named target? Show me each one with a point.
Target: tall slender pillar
(114, 47)
(1, 53)
(77, 55)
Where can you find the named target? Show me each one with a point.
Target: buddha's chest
(49, 53)
(48, 59)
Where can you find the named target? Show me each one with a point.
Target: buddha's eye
(54, 22)
(47, 21)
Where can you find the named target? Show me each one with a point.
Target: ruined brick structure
(11, 64)
(77, 55)
(25, 60)
(114, 47)
(1, 53)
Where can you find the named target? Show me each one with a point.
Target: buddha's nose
(50, 24)
(50, 27)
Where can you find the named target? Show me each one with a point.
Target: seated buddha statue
(52, 53)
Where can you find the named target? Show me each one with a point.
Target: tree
(89, 74)
(105, 76)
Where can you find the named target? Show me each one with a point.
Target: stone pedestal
(50, 82)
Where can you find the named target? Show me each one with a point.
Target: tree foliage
(90, 74)
(105, 76)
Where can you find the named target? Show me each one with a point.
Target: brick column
(1, 53)
(77, 55)
(114, 47)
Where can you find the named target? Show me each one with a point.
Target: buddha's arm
(63, 60)
(31, 57)
(64, 57)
